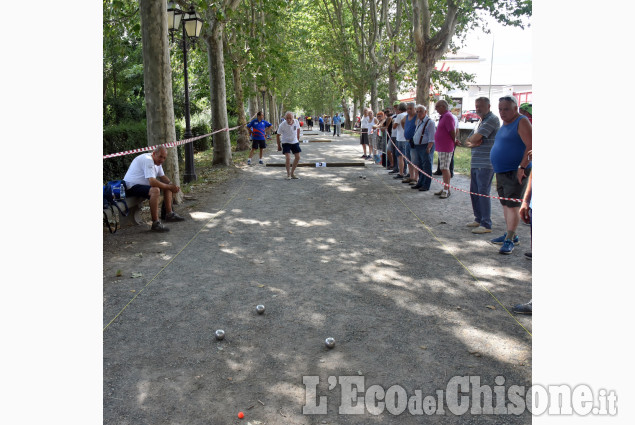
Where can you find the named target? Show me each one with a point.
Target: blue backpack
(114, 192)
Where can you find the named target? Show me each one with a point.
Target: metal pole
(491, 65)
(190, 174)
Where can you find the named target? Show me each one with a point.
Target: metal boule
(220, 334)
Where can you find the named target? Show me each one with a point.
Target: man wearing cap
(509, 158)
(525, 109)
(481, 140)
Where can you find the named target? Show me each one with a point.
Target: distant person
(458, 132)
(480, 141)
(380, 141)
(145, 178)
(327, 123)
(509, 157)
(309, 123)
(258, 127)
(321, 121)
(363, 137)
(337, 125)
(372, 136)
(444, 140)
(288, 138)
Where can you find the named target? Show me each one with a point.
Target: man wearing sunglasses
(509, 157)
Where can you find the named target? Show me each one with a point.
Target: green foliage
(118, 138)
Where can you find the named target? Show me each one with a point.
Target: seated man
(145, 178)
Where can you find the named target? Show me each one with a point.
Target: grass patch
(208, 174)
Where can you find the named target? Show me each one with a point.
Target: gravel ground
(410, 295)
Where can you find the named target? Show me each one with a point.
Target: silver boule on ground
(219, 334)
(329, 342)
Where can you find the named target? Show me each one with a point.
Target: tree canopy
(313, 57)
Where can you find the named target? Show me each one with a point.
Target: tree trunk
(425, 66)
(271, 109)
(392, 87)
(373, 95)
(242, 143)
(218, 95)
(157, 78)
(347, 121)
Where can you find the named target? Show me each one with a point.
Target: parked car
(470, 116)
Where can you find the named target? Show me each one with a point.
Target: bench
(134, 216)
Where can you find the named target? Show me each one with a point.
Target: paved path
(408, 292)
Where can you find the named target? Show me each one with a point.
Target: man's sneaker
(528, 255)
(481, 230)
(439, 192)
(173, 217)
(522, 308)
(445, 194)
(157, 226)
(507, 248)
(473, 224)
(499, 240)
(260, 161)
(398, 176)
(392, 171)
(248, 161)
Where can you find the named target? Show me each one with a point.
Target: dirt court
(410, 295)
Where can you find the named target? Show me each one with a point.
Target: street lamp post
(192, 25)
(263, 90)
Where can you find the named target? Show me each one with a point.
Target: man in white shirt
(145, 178)
(398, 132)
(289, 136)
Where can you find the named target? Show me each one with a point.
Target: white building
(503, 84)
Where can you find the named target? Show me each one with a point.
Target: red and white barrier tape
(167, 145)
(450, 186)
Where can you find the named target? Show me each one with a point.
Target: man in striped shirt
(481, 141)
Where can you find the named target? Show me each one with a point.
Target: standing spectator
(444, 139)
(372, 135)
(321, 121)
(258, 128)
(458, 132)
(337, 124)
(526, 213)
(423, 151)
(289, 136)
(481, 140)
(309, 123)
(509, 157)
(401, 140)
(363, 138)
(391, 140)
(327, 123)
(525, 109)
(409, 126)
(380, 129)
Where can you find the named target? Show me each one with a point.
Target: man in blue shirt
(258, 127)
(337, 122)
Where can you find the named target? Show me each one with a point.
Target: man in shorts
(145, 178)
(444, 143)
(258, 127)
(509, 158)
(398, 132)
(288, 138)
